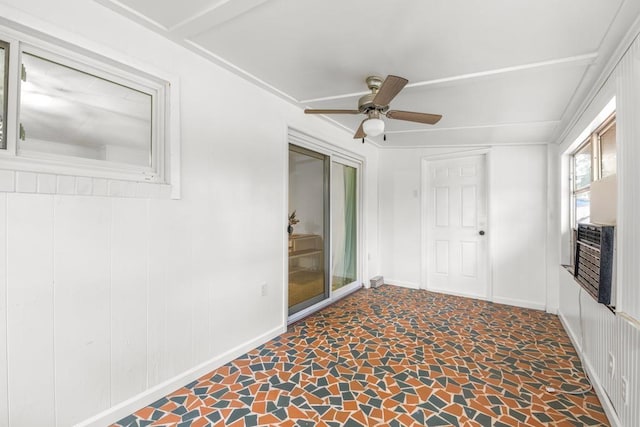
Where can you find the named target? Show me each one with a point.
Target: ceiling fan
(376, 104)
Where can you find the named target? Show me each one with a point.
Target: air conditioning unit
(595, 261)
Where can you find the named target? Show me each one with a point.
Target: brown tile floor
(395, 357)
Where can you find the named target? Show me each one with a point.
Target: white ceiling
(499, 71)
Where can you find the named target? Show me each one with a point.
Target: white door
(455, 206)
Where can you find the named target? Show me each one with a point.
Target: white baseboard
(457, 294)
(402, 283)
(595, 380)
(553, 309)
(519, 303)
(149, 396)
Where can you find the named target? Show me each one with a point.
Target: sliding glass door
(323, 229)
(308, 228)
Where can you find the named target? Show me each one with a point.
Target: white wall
(109, 297)
(518, 224)
(517, 219)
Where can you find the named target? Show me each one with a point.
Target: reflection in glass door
(344, 236)
(308, 228)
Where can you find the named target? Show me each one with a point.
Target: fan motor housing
(365, 104)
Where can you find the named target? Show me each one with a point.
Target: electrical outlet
(611, 365)
(625, 390)
(264, 289)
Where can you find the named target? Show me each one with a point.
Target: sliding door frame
(344, 157)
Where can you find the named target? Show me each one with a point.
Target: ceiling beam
(134, 15)
(217, 14)
(585, 59)
(499, 125)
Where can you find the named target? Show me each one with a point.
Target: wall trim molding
(402, 283)
(519, 303)
(457, 154)
(591, 372)
(152, 394)
(458, 294)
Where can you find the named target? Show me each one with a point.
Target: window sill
(569, 268)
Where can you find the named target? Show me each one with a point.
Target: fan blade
(360, 132)
(430, 119)
(312, 111)
(391, 86)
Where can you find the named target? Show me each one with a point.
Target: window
(77, 113)
(583, 173)
(594, 159)
(68, 112)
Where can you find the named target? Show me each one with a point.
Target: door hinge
(23, 133)
(23, 73)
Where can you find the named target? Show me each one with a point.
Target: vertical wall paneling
(82, 306)
(598, 331)
(30, 294)
(629, 370)
(204, 264)
(628, 128)
(157, 297)
(178, 332)
(4, 386)
(129, 237)
(170, 299)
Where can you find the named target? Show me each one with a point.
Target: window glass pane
(583, 207)
(3, 93)
(344, 225)
(582, 167)
(308, 204)
(608, 151)
(64, 111)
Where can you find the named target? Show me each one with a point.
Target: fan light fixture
(376, 104)
(373, 127)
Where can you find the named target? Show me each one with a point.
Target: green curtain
(351, 237)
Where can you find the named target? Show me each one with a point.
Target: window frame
(5, 95)
(575, 192)
(594, 140)
(164, 149)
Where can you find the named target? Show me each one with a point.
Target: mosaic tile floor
(394, 357)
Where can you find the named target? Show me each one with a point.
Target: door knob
(481, 232)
